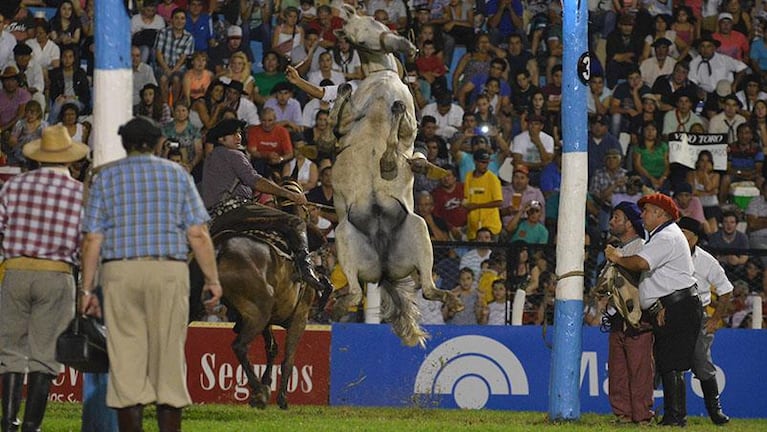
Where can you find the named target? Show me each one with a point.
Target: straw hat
(56, 146)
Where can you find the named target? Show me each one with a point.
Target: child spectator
(467, 292)
(498, 311)
(431, 65)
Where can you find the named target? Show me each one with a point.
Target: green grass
(65, 417)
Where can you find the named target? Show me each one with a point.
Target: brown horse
(259, 291)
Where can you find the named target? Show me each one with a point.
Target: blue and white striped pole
(112, 80)
(564, 401)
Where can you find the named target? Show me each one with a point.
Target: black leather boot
(130, 419)
(168, 418)
(38, 385)
(319, 282)
(711, 397)
(12, 385)
(674, 402)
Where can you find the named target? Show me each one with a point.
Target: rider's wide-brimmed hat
(223, 128)
(692, 225)
(55, 146)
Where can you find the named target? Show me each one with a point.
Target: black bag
(83, 345)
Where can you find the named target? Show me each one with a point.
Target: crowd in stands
(487, 83)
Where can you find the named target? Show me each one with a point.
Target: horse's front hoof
(282, 401)
(398, 107)
(388, 165)
(454, 303)
(260, 398)
(344, 89)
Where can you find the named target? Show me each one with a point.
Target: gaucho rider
(227, 173)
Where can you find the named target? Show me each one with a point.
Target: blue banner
(507, 368)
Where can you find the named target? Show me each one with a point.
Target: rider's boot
(308, 274)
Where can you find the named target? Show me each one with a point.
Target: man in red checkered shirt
(40, 213)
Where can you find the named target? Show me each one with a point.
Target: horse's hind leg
(388, 162)
(353, 255)
(292, 337)
(413, 245)
(271, 349)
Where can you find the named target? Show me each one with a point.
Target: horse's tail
(196, 281)
(399, 307)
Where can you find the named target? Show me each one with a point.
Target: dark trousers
(675, 340)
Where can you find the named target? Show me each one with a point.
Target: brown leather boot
(169, 418)
(130, 419)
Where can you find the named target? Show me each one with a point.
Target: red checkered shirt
(40, 215)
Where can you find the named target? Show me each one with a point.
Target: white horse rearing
(379, 237)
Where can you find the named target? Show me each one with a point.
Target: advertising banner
(508, 368)
(215, 376)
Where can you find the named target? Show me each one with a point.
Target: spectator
(326, 71)
(498, 312)
(519, 194)
(198, 78)
(144, 28)
(320, 135)
(346, 60)
(473, 63)
(286, 109)
(237, 99)
(482, 197)
(744, 161)
(448, 198)
(677, 47)
(25, 130)
(211, 106)
(447, 114)
(504, 18)
(709, 67)
(474, 258)
(325, 24)
(13, 98)
(758, 50)
(200, 26)
(152, 105)
(305, 55)
(436, 154)
(165, 8)
(627, 101)
(69, 83)
(600, 141)
(539, 107)
(666, 86)
(431, 66)
(259, 25)
(7, 42)
(433, 312)
(518, 57)
(685, 24)
(288, 35)
(533, 148)
(682, 118)
(187, 139)
(733, 43)
(220, 54)
(749, 94)
(705, 186)
(269, 145)
(238, 69)
(689, 206)
(756, 216)
(624, 48)
(521, 98)
(424, 206)
(31, 74)
(651, 159)
(172, 48)
(44, 51)
(301, 168)
(599, 96)
(459, 21)
(65, 25)
(322, 195)
(142, 74)
(730, 238)
(727, 121)
(266, 80)
(607, 181)
(69, 118)
(483, 111)
(467, 292)
(661, 63)
(650, 112)
(530, 230)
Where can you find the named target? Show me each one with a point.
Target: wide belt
(38, 264)
(144, 258)
(677, 296)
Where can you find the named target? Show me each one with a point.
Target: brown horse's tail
(399, 307)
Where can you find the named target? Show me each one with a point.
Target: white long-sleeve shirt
(708, 273)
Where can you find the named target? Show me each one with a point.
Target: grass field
(65, 417)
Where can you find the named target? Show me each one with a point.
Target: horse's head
(367, 34)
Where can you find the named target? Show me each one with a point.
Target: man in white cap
(734, 43)
(40, 215)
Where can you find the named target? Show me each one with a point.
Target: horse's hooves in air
(388, 164)
(344, 90)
